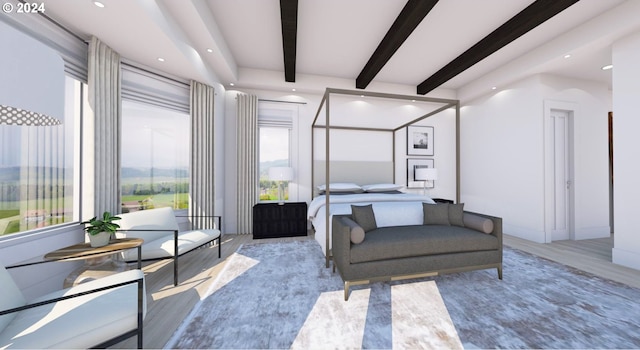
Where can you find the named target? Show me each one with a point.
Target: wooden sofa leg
(500, 271)
(346, 290)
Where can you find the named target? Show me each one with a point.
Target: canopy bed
(338, 175)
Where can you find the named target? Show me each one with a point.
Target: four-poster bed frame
(325, 103)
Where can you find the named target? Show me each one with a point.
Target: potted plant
(100, 230)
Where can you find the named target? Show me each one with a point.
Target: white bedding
(389, 210)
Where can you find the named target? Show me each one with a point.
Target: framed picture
(420, 140)
(412, 165)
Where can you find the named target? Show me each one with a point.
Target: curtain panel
(103, 130)
(201, 171)
(247, 136)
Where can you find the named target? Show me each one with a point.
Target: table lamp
(425, 175)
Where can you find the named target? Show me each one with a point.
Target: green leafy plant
(102, 225)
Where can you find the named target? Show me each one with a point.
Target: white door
(561, 176)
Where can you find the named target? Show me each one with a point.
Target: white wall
(626, 123)
(503, 160)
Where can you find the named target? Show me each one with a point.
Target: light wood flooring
(167, 305)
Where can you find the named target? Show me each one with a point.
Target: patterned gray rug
(279, 295)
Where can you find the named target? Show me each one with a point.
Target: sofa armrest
(341, 242)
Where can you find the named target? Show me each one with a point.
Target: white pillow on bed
(382, 187)
(341, 187)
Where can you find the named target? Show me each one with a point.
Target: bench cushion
(418, 240)
(80, 322)
(162, 246)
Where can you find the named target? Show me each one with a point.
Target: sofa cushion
(163, 246)
(409, 241)
(363, 215)
(80, 322)
(153, 219)
(436, 214)
(356, 231)
(455, 214)
(478, 223)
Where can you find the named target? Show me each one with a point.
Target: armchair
(98, 313)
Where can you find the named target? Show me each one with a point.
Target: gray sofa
(397, 252)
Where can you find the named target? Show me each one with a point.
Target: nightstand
(271, 220)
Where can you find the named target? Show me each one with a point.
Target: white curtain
(201, 172)
(247, 107)
(102, 130)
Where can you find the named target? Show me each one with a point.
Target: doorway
(562, 179)
(559, 172)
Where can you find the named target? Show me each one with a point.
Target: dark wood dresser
(271, 220)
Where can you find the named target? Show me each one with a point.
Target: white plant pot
(100, 240)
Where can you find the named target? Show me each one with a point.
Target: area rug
(280, 295)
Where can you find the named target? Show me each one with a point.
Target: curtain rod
(267, 100)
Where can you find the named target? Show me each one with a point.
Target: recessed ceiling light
(361, 95)
(567, 56)
(607, 67)
(209, 50)
(494, 87)
(293, 89)
(160, 59)
(413, 100)
(99, 4)
(232, 84)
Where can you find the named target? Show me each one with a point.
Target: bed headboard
(359, 172)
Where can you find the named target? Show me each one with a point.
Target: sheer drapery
(201, 171)
(102, 131)
(247, 107)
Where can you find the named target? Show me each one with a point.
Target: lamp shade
(426, 174)
(280, 173)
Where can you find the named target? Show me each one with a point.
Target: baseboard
(524, 233)
(626, 258)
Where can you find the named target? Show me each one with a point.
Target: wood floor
(167, 305)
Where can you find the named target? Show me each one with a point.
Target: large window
(277, 148)
(38, 169)
(274, 152)
(155, 157)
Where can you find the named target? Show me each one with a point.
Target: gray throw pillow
(363, 215)
(455, 214)
(436, 214)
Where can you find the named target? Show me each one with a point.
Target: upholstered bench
(98, 313)
(162, 237)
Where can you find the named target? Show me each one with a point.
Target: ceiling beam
(526, 20)
(411, 15)
(289, 19)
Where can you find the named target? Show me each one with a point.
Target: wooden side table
(99, 261)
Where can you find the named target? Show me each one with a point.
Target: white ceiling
(336, 38)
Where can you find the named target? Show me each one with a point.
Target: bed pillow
(456, 212)
(436, 214)
(363, 216)
(382, 187)
(341, 187)
(478, 223)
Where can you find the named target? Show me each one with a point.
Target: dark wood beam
(527, 19)
(289, 19)
(411, 15)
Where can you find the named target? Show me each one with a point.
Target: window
(276, 123)
(38, 169)
(155, 157)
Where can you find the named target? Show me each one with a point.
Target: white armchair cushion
(10, 298)
(154, 219)
(79, 322)
(163, 247)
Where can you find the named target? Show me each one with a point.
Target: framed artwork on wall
(412, 165)
(420, 140)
